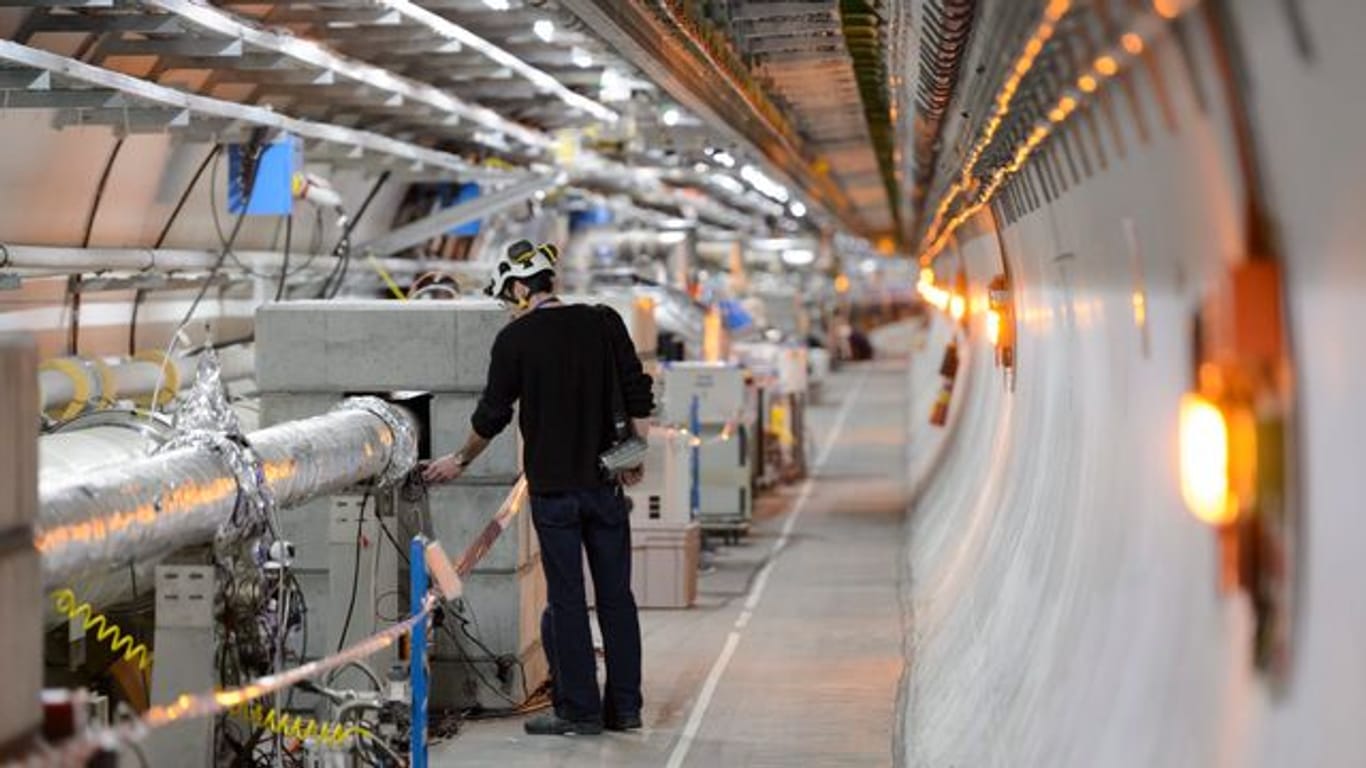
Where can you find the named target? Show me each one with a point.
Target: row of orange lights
(1105, 66)
(956, 305)
(1052, 14)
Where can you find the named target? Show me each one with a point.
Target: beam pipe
(149, 508)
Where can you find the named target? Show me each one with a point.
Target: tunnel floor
(793, 654)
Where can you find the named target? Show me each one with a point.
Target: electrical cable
(255, 148)
(73, 283)
(140, 293)
(185, 196)
(284, 266)
(343, 247)
(355, 572)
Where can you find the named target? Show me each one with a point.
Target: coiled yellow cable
(296, 726)
(106, 631)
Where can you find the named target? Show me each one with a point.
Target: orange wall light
(1205, 461)
(993, 327)
(958, 306)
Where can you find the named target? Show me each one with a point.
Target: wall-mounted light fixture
(1235, 453)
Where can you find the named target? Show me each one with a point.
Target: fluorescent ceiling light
(723, 157)
(672, 238)
(727, 183)
(581, 58)
(797, 208)
(614, 87)
(544, 29)
(670, 117)
(700, 168)
(452, 31)
(766, 186)
(798, 257)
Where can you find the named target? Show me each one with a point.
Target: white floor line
(699, 710)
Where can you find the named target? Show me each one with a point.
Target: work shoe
(623, 723)
(551, 724)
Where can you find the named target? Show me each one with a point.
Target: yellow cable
(107, 631)
(298, 727)
(80, 386)
(170, 375)
(384, 275)
(108, 385)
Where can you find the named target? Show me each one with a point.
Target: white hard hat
(522, 260)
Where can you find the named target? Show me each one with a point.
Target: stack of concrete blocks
(311, 354)
(21, 592)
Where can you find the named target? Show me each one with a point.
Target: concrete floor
(793, 654)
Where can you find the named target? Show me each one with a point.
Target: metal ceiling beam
(201, 107)
(422, 230)
(652, 45)
(25, 80)
(306, 52)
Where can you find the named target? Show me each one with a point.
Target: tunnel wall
(1065, 607)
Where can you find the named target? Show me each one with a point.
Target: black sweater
(553, 362)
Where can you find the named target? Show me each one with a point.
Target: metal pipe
(134, 378)
(71, 259)
(424, 229)
(149, 508)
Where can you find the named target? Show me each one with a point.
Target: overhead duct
(183, 497)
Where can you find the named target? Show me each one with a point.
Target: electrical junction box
(663, 498)
(272, 194)
(719, 389)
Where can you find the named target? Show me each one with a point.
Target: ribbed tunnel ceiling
(799, 51)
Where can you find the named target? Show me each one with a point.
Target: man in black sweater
(555, 361)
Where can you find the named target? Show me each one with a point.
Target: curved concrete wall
(1065, 605)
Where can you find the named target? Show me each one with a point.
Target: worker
(566, 366)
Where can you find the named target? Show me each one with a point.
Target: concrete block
(451, 426)
(375, 346)
(19, 426)
(279, 407)
(459, 684)
(21, 635)
(460, 512)
(504, 610)
(21, 593)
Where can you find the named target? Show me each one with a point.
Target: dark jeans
(569, 524)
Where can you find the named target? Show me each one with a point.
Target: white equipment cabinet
(724, 471)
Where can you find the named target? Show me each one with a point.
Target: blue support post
(695, 426)
(417, 661)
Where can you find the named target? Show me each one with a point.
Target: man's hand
(633, 476)
(442, 470)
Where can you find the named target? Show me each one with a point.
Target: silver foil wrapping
(149, 508)
(206, 420)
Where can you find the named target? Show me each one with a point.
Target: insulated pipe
(67, 260)
(72, 384)
(149, 508)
